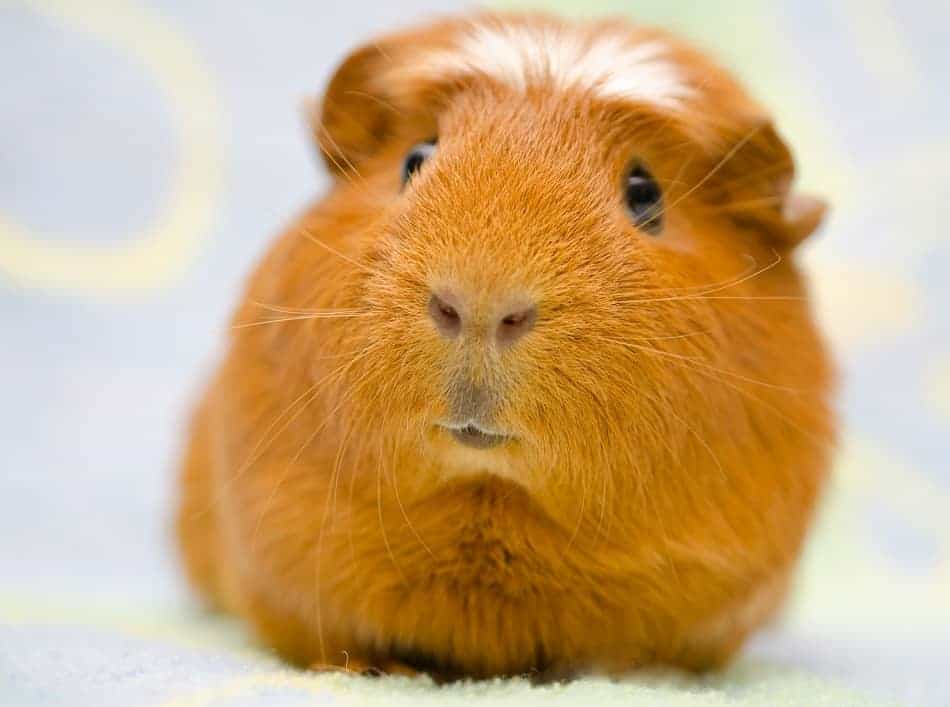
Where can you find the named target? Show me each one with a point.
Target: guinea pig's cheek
(678, 235)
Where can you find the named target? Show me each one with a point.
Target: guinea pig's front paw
(359, 666)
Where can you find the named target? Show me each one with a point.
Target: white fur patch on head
(607, 62)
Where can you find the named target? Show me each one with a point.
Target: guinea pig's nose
(449, 314)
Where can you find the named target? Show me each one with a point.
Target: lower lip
(475, 438)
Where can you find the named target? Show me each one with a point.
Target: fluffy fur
(607, 60)
(670, 408)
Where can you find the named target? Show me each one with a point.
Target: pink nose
(448, 312)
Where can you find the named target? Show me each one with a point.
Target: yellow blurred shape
(847, 576)
(165, 248)
(860, 305)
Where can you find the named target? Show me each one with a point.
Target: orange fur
(670, 409)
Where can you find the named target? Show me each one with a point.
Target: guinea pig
(535, 388)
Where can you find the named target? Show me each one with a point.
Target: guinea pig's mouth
(471, 434)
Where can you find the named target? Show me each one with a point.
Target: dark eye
(644, 200)
(417, 155)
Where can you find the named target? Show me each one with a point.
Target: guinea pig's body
(545, 396)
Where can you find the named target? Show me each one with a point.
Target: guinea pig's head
(573, 262)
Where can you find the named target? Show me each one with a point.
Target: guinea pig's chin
(456, 459)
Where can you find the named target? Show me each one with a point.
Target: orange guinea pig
(536, 387)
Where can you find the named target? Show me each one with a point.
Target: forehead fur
(407, 79)
(607, 60)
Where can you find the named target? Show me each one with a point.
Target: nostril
(446, 317)
(516, 324)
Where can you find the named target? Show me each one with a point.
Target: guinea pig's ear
(355, 116)
(802, 214)
(758, 190)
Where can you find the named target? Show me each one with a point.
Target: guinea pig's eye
(417, 155)
(644, 200)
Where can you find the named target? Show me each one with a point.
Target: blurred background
(150, 150)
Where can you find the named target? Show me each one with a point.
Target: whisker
(733, 151)
(299, 310)
(702, 441)
(812, 437)
(808, 434)
(306, 443)
(302, 317)
(580, 516)
(402, 509)
(318, 607)
(280, 481)
(382, 524)
(703, 364)
(771, 170)
(703, 291)
(727, 282)
(274, 431)
(757, 298)
(749, 276)
(350, 174)
(738, 298)
(308, 234)
(267, 439)
(384, 103)
(335, 476)
(670, 337)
